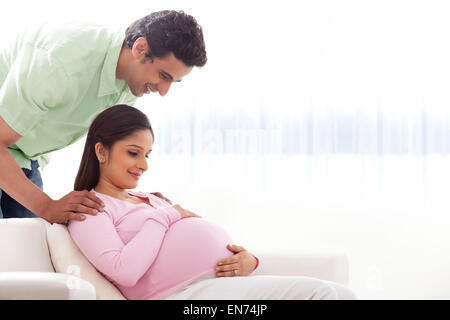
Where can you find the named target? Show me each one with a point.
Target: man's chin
(136, 94)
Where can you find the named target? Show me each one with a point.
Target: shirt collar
(109, 84)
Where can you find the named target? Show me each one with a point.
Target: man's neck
(122, 63)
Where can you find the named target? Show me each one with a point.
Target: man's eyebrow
(136, 146)
(168, 75)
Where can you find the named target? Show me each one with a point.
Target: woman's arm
(99, 241)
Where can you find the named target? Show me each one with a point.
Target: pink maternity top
(149, 252)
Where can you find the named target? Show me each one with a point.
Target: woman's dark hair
(111, 125)
(170, 31)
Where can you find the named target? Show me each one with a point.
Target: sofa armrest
(44, 286)
(325, 266)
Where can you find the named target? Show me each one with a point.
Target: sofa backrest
(23, 245)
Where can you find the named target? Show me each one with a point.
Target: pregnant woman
(151, 249)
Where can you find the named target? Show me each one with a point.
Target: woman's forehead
(142, 138)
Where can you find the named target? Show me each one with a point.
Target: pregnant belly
(191, 248)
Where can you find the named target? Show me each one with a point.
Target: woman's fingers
(230, 260)
(191, 214)
(227, 270)
(194, 214)
(240, 262)
(159, 195)
(227, 267)
(235, 248)
(227, 274)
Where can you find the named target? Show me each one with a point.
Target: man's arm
(12, 179)
(14, 182)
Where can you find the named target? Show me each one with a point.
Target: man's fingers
(87, 201)
(76, 216)
(96, 199)
(91, 198)
(81, 209)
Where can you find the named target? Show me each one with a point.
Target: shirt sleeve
(36, 82)
(123, 263)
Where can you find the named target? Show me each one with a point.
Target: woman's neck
(112, 191)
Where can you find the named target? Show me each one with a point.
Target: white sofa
(38, 260)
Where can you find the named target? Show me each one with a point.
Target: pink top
(149, 252)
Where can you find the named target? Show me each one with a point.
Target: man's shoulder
(73, 40)
(77, 34)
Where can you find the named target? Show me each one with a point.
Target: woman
(151, 249)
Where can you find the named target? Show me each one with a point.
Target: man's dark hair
(170, 31)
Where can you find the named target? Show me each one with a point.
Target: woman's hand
(159, 195)
(241, 264)
(185, 213)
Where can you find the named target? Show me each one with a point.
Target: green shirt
(54, 80)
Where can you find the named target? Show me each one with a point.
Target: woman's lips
(135, 175)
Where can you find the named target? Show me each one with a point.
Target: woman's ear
(100, 152)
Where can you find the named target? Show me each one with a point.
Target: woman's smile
(135, 175)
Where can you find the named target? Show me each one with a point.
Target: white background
(336, 62)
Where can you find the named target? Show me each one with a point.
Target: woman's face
(124, 164)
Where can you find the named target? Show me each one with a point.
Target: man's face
(145, 76)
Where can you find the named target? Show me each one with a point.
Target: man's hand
(159, 195)
(70, 206)
(243, 262)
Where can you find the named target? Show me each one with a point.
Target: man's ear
(140, 49)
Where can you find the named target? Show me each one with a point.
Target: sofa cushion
(23, 246)
(67, 258)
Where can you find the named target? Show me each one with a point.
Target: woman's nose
(143, 165)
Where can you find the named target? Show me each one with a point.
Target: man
(54, 81)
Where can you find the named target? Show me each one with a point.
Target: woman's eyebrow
(136, 146)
